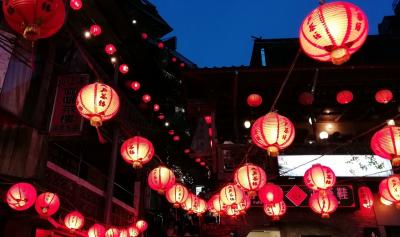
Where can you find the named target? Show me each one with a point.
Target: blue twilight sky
(218, 32)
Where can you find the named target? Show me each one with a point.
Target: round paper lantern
(74, 220)
(189, 202)
(306, 98)
(146, 98)
(333, 32)
(171, 132)
(47, 204)
(110, 49)
(199, 206)
(203, 163)
(270, 194)
(144, 35)
(177, 194)
(272, 132)
(176, 138)
(95, 30)
(135, 86)
(21, 196)
(208, 119)
(161, 116)
(319, 177)
(231, 194)
(156, 107)
(323, 203)
(275, 210)
(96, 230)
(366, 198)
(217, 205)
(386, 144)
(389, 189)
(34, 19)
(344, 97)
(251, 178)
(112, 232)
(198, 160)
(244, 205)
(186, 151)
(123, 233)
(75, 4)
(384, 96)
(133, 231)
(182, 65)
(160, 45)
(123, 68)
(160, 179)
(137, 151)
(141, 225)
(254, 100)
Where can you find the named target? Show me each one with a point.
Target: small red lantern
(198, 160)
(160, 45)
(177, 194)
(323, 203)
(199, 206)
(231, 194)
(34, 19)
(203, 163)
(96, 230)
(182, 65)
(173, 59)
(251, 178)
(171, 132)
(186, 151)
(161, 179)
(47, 204)
(189, 202)
(389, 189)
(319, 177)
(75, 4)
(254, 100)
(21, 196)
(112, 232)
(386, 144)
(156, 107)
(110, 49)
(176, 138)
(135, 86)
(306, 98)
(208, 119)
(344, 97)
(133, 231)
(333, 32)
(384, 96)
(95, 30)
(123, 68)
(144, 35)
(273, 133)
(141, 225)
(270, 194)
(366, 198)
(275, 210)
(74, 220)
(161, 116)
(146, 98)
(137, 151)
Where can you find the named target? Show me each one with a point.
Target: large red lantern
(133, 231)
(333, 32)
(273, 133)
(160, 179)
(177, 194)
(389, 189)
(344, 97)
(112, 232)
(21, 196)
(74, 220)
(323, 203)
(96, 230)
(319, 177)
(384, 96)
(270, 194)
(95, 30)
(137, 151)
(199, 206)
(275, 210)
(365, 197)
(254, 100)
(386, 144)
(189, 202)
(34, 19)
(251, 178)
(306, 98)
(141, 225)
(47, 204)
(231, 194)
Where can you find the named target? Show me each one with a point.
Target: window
(263, 58)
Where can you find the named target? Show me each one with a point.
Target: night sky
(218, 32)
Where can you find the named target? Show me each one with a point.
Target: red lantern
(365, 196)
(135, 86)
(306, 98)
(254, 100)
(231, 194)
(133, 231)
(344, 97)
(182, 65)
(275, 210)
(146, 98)
(383, 96)
(176, 138)
(74, 220)
(333, 32)
(47, 204)
(232, 211)
(112, 232)
(160, 179)
(251, 178)
(323, 203)
(96, 230)
(386, 144)
(189, 202)
(244, 205)
(123, 68)
(270, 194)
(198, 160)
(208, 119)
(141, 225)
(156, 107)
(203, 163)
(186, 151)
(273, 133)
(123, 233)
(217, 205)
(199, 206)
(171, 132)
(177, 194)
(21, 196)
(75, 4)
(319, 177)
(110, 49)
(95, 30)
(161, 116)
(173, 59)
(389, 189)
(160, 45)
(137, 151)
(144, 35)
(34, 19)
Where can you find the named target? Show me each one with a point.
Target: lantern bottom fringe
(396, 161)
(272, 151)
(31, 32)
(137, 165)
(275, 218)
(100, 136)
(325, 215)
(161, 192)
(252, 194)
(176, 205)
(340, 55)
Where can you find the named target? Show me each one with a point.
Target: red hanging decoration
(366, 198)
(110, 49)
(333, 32)
(160, 179)
(75, 4)
(161, 116)
(176, 138)
(177, 194)
(74, 220)
(208, 119)
(21, 196)
(123, 68)
(47, 204)
(189, 202)
(198, 160)
(389, 189)
(156, 107)
(384, 96)
(254, 100)
(275, 210)
(385, 201)
(141, 225)
(133, 231)
(306, 98)
(386, 144)
(137, 151)
(123, 233)
(270, 194)
(146, 98)
(96, 230)
(160, 45)
(272, 132)
(344, 97)
(231, 194)
(135, 86)
(95, 30)
(199, 206)
(34, 19)
(323, 203)
(171, 132)
(186, 151)
(112, 232)
(144, 35)
(216, 205)
(319, 177)
(182, 65)
(232, 211)
(250, 178)
(203, 163)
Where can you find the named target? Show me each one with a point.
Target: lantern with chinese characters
(275, 210)
(333, 32)
(123, 233)
(75, 4)
(133, 231)
(146, 98)
(96, 230)
(344, 97)
(386, 144)
(199, 206)
(270, 194)
(366, 198)
(389, 189)
(74, 220)
(250, 178)
(217, 205)
(189, 202)
(273, 133)
(323, 203)
(141, 225)
(97, 102)
(112, 232)
(231, 194)
(137, 151)
(123, 68)
(319, 177)
(254, 100)
(21, 196)
(384, 96)
(177, 194)
(95, 30)
(110, 49)
(135, 85)
(47, 204)
(306, 98)
(34, 19)
(160, 179)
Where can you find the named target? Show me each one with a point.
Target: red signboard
(296, 195)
